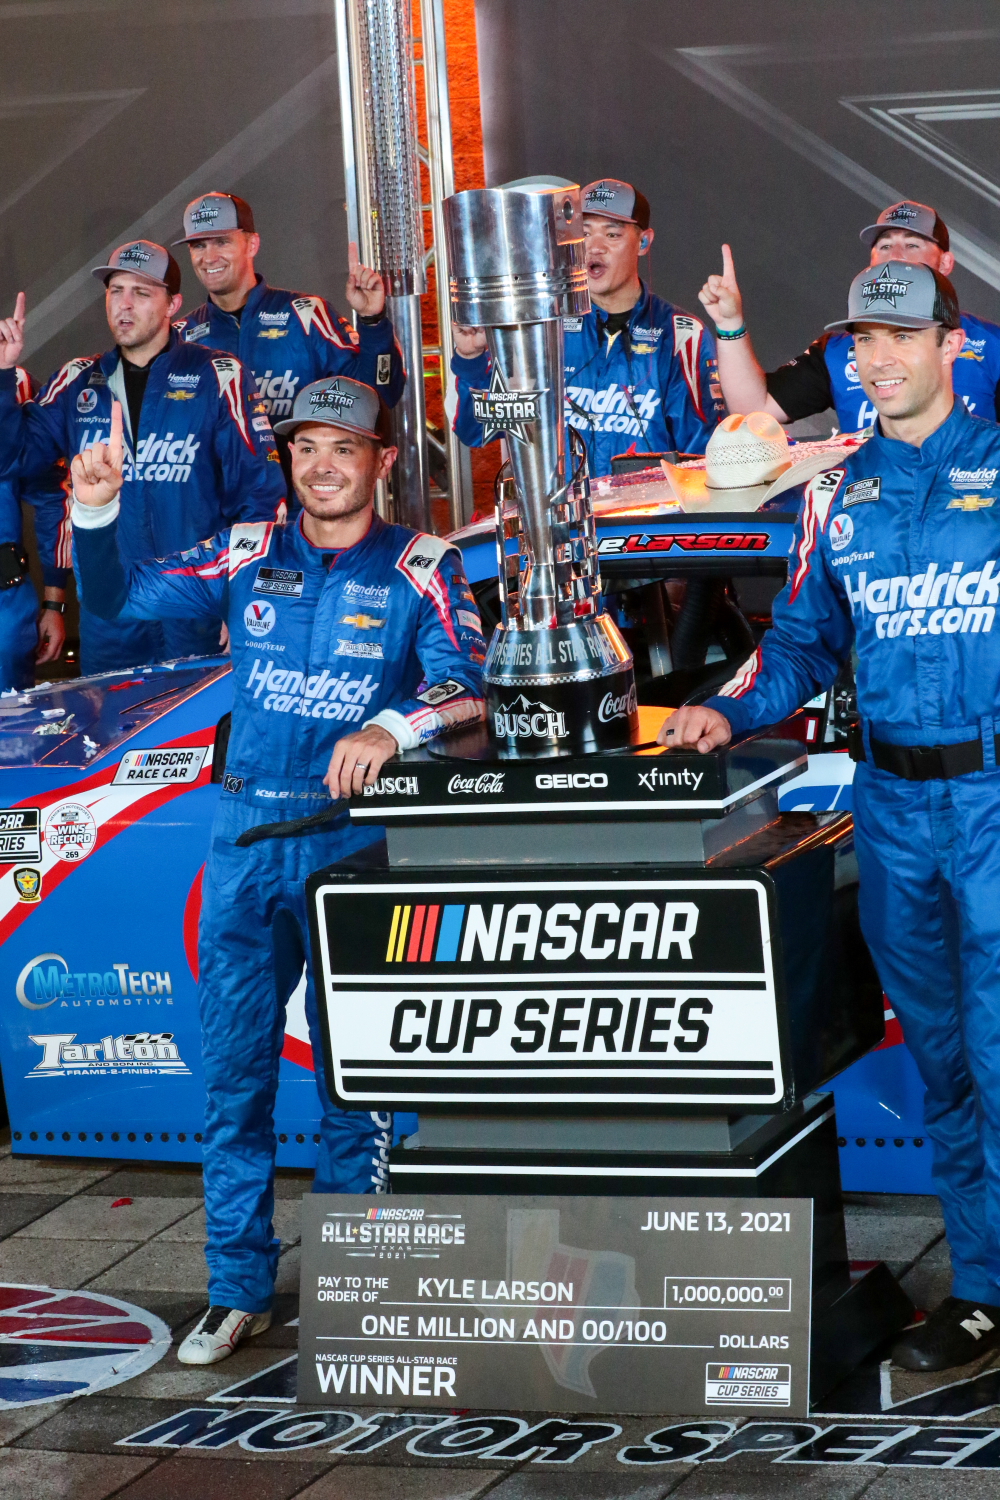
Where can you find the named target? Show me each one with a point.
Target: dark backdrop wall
(782, 127)
(115, 113)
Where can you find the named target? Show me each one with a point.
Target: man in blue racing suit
(197, 456)
(641, 375)
(350, 639)
(897, 553)
(28, 638)
(286, 338)
(826, 374)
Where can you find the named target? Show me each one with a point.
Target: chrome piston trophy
(558, 676)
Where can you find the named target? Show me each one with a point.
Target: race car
(108, 786)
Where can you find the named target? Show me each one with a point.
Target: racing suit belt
(922, 762)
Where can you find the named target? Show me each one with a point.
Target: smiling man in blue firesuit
(898, 554)
(351, 639)
(641, 374)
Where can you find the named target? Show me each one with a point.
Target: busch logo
(526, 720)
(393, 786)
(489, 781)
(134, 1052)
(953, 602)
(621, 707)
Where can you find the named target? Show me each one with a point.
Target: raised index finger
(728, 269)
(115, 446)
(20, 308)
(353, 260)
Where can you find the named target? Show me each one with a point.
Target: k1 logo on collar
(862, 491)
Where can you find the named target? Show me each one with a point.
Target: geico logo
(318, 697)
(61, 1052)
(689, 541)
(490, 782)
(567, 780)
(48, 978)
(953, 602)
(393, 786)
(633, 1024)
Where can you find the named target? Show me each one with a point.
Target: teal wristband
(731, 333)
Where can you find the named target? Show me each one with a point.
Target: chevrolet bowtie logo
(971, 502)
(501, 410)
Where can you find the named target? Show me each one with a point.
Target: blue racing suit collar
(955, 430)
(355, 553)
(249, 308)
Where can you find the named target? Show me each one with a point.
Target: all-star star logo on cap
(504, 411)
(334, 396)
(886, 287)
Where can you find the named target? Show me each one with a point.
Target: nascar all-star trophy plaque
(557, 1304)
(596, 969)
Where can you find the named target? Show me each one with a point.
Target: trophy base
(565, 690)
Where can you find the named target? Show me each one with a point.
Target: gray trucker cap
(612, 199)
(340, 402)
(918, 218)
(143, 258)
(215, 213)
(900, 294)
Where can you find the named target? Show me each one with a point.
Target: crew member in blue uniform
(350, 639)
(29, 638)
(641, 375)
(897, 554)
(197, 457)
(826, 373)
(286, 338)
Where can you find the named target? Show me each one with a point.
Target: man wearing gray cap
(897, 555)
(286, 338)
(826, 374)
(196, 456)
(640, 373)
(350, 639)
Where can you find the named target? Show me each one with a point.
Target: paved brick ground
(63, 1224)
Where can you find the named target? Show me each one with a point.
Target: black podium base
(789, 1155)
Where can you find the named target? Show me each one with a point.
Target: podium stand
(622, 974)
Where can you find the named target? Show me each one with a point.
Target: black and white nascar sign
(20, 833)
(549, 990)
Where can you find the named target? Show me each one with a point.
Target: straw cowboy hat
(748, 460)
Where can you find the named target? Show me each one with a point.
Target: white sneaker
(218, 1333)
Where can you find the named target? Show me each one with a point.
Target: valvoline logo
(841, 532)
(259, 618)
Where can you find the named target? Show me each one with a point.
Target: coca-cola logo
(489, 782)
(620, 707)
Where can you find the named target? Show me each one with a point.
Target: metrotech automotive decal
(55, 1344)
(77, 821)
(553, 990)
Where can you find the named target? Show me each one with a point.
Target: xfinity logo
(656, 778)
(489, 782)
(617, 708)
(526, 720)
(570, 781)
